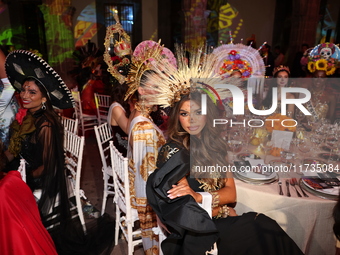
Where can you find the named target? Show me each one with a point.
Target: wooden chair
(70, 125)
(104, 136)
(125, 215)
(103, 103)
(74, 148)
(86, 121)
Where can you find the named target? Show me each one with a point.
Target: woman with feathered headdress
(144, 137)
(195, 144)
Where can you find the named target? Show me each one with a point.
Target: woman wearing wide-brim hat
(36, 134)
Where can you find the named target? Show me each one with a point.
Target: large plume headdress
(144, 57)
(239, 57)
(117, 64)
(198, 75)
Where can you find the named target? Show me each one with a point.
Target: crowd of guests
(162, 148)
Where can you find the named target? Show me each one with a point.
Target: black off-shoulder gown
(193, 231)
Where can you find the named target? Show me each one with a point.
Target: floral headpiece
(238, 57)
(121, 48)
(324, 57)
(281, 68)
(141, 63)
(176, 82)
(235, 63)
(166, 53)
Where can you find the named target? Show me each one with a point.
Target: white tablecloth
(308, 221)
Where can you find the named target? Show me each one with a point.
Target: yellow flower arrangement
(323, 57)
(321, 64)
(311, 66)
(276, 151)
(276, 125)
(258, 135)
(330, 70)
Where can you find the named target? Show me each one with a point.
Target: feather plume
(248, 55)
(170, 83)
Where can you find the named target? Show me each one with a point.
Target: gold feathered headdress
(121, 48)
(142, 62)
(171, 82)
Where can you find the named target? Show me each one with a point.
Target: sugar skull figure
(326, 50)
(324, 57)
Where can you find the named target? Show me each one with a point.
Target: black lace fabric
(44, 154)
(45, 169)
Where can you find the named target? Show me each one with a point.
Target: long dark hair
(210, 148)
(49, 112)
(175, 131)
(268, 101)
(118, 92)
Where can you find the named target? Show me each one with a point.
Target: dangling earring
(43, 106)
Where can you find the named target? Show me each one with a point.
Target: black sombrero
(21, 64)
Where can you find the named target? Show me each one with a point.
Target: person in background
(322, 104)
(281, 76)
(297, 70)
(118, 116)
(279, 56)
(94, 85)
(145, 140)
(322, 63)
(119, 62)
(333, 87)
(268, 59)
(8, 103)
(175, 189)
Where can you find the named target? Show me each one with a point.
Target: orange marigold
(276, 123)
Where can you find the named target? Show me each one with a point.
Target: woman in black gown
(172, 190)
(37, 136)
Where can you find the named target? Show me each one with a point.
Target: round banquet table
(307, 220)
